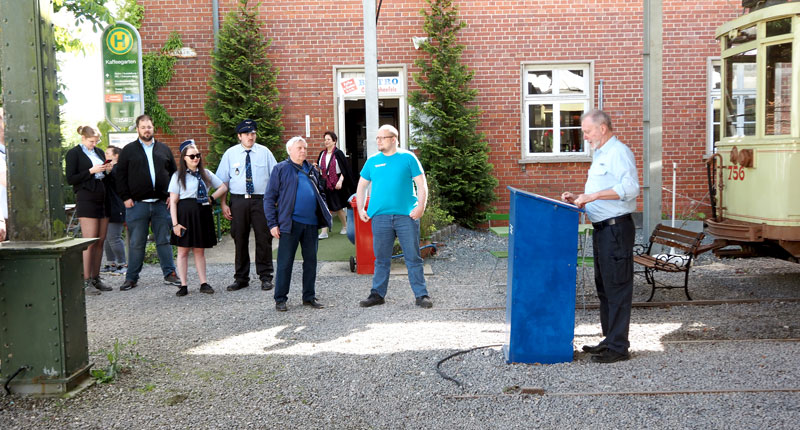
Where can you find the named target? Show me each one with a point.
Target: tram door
(355, 128)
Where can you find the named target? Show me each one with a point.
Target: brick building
(533, 60)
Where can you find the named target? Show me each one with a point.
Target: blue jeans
(304, 235)
(138, 218)
(384, 229)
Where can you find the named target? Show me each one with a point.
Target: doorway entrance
(355, 123)
(351, 118)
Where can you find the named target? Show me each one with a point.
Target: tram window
(778, 103)
(743, 36)
(779, 26)
(740, 94)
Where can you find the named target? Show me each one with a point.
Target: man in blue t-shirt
(295, 209)
(395, 211)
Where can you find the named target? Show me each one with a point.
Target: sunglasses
(193, 156)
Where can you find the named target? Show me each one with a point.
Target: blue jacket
(282, 192)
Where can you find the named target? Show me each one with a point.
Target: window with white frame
(714, 94)
(554, 97)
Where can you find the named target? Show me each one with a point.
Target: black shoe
(205, 288)
(610, 356)
(314, 303)
(266, 285)
(238, 285)
(100, 285)
(595, 349)
(172, 279)
(424, 302)
(127, 285)
(372, 300)
(281, 307)
(182, 291)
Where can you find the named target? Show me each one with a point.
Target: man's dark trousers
(249, 214)
(613, 277)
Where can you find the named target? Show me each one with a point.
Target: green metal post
(43, 340)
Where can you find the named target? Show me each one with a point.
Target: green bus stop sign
(123, 91)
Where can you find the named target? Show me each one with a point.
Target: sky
(82, 75)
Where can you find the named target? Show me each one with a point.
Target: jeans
(114, 246)
(139, 217)
(384, 230)
(306, 236)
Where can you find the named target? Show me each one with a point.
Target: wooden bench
(686, 241)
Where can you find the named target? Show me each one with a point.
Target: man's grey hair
(599, 118)
(292, 141)
(393, 131)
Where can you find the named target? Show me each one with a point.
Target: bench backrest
(685, 240)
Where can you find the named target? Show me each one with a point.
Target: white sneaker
(323, 236)
(344, 231)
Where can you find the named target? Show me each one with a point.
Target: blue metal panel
(540, 295)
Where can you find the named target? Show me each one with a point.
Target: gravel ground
(229, 360)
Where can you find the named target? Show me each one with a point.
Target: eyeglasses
(193, 156)
(379, 138)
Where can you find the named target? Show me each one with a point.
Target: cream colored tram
(754, 176)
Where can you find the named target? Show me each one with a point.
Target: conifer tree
(243, 86)
(453, 153)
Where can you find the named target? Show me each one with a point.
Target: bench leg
(686, 285)
(649, 275)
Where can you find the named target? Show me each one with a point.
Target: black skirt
(336, 199)
(91, 204)
(199, 222)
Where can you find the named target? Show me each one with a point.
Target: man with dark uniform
(245, 168)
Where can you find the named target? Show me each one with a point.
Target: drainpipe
(215, 21)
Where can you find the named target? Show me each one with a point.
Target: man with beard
(143, 172)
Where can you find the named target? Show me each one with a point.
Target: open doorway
(355, 128)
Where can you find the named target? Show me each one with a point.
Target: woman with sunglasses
(192, 217)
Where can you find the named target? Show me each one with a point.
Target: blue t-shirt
(305, 204)
(392, 180)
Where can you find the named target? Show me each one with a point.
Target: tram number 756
(735, 173)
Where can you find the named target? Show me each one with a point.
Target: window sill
(562, 158)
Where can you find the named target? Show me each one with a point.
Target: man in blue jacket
(295, 208)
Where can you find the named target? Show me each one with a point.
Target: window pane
(571, 114)
(571, 140)
(540, 116)
(540, 82)
(716, 77)
(779, 90)
(744, 36)
(541, 140)
(740, 91)
(571, 82)
(779, 26)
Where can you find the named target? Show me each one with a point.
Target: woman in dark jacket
(86, 169)
(114, 245)
(337, 178)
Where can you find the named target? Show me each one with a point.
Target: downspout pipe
(215, 21)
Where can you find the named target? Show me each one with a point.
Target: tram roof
(766, 14)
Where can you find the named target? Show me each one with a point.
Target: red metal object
(365, 257)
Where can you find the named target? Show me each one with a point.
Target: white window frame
(711, 95)
(554, 99)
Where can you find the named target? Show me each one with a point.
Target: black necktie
(248, 174)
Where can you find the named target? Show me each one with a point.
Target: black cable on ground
(8, 381)
(455, 354)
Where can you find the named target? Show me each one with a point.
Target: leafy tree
(453, 152)
(243, 85)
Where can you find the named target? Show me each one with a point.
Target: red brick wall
(310, 37)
